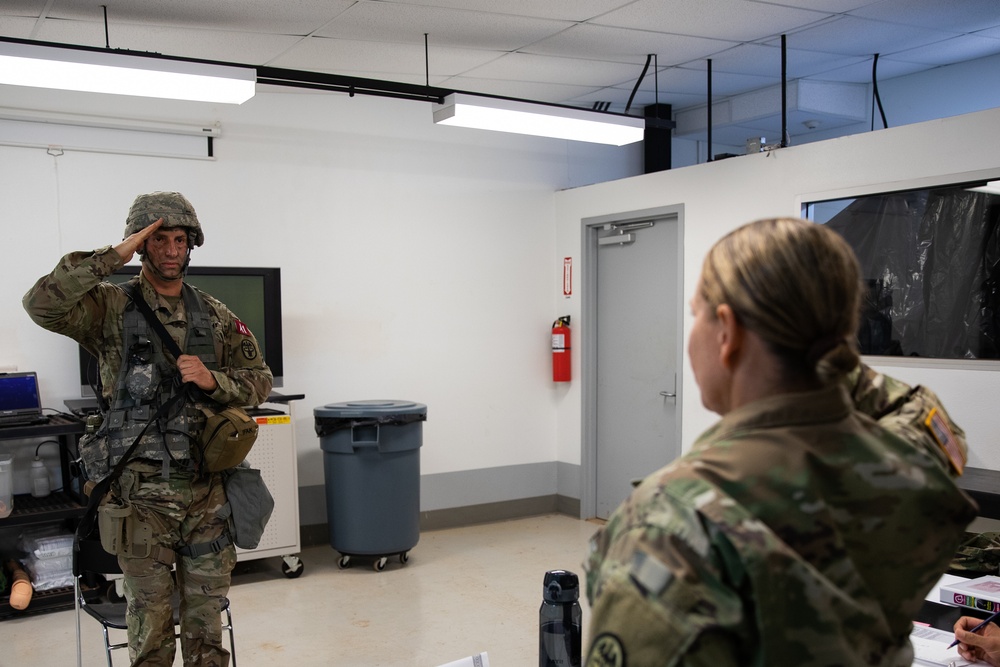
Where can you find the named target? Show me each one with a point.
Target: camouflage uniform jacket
(796, 532)
(74, 301)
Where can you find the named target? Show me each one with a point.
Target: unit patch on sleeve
(606, 651)
(946, 440)
(242, 328)
(249, 350)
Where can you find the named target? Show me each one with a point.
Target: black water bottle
(560, 620)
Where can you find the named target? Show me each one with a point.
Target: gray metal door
(638, 352)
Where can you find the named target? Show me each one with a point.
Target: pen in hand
(979, 627)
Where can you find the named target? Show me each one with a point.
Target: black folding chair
(90, 562)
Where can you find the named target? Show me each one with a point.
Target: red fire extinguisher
(561, 350)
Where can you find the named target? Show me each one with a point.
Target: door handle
(667, 394)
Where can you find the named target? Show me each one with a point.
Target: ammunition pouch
(95, 456)
(122, 533)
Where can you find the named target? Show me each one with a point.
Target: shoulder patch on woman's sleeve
(606, 651)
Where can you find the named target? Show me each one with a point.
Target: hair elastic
(820, 348)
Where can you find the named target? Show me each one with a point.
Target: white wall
(719, 196)
(425, 263)
(416, 259)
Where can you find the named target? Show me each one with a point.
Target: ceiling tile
(955, 50)
(527, 67)
(234, 47)
(736, 20)
(695, 81)
(829, 6)
(344, 56)
(960, 16)
(26, 8)
(289, 18)
(554, 93)
(865, 37)
(17, 27)
(597, 42)
(393, 22)
(576, 10)
(861, 71)
(643, 98)
(765, 60)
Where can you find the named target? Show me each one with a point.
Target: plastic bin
(371, 463)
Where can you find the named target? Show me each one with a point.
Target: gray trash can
(371, 463)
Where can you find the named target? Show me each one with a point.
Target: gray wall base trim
(456, 517)
(470, 488)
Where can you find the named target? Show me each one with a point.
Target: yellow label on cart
(275, 419)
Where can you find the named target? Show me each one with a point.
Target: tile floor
(463, 591)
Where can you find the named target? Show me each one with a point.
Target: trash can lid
(371, 408)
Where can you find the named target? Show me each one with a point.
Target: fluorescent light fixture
(107, 72)
(488, 113)
(991, 187)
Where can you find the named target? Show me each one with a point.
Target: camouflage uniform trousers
(181, 510)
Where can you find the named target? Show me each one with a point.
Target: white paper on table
(477, 660)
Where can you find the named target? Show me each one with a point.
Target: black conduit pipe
(878, 98)
(649, 57)
(784, 94)
(709, 109)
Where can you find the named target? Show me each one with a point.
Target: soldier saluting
(171, 499)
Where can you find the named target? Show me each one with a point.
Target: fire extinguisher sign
(567, 277)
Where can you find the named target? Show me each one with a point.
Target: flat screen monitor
(252, 293)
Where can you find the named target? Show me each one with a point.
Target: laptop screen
(19, 394)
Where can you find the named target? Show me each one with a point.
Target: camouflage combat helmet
(173, 207)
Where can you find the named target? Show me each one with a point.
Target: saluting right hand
(127, 248)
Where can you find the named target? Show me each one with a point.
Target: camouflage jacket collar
(824, 405)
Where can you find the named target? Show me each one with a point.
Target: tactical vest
(147, 380)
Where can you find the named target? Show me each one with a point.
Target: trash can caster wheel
(380, 563)
(344, 562)
(404, 558)
(292, 566)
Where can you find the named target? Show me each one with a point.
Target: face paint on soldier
(167, 254)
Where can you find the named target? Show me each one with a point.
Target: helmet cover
(173, 207)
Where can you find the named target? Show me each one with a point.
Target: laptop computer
(20, 403)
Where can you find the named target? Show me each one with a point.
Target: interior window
(930, 260)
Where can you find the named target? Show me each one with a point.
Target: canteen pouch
(226, 439)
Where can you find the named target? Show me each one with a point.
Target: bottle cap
(560, 586)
